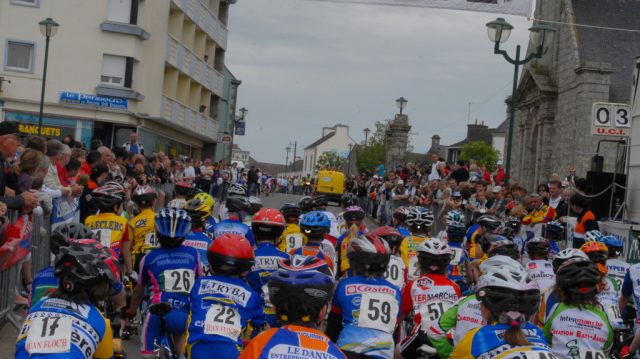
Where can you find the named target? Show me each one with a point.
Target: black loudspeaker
(597, 163)
(598, 182)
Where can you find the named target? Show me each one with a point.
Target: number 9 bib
(378, 311)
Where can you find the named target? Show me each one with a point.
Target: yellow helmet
(206, 198)
(197, 208)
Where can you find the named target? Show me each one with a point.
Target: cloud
(305, 65)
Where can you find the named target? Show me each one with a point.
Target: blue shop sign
(94, 100)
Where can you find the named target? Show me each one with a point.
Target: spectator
(460, 173)
(93, 157)
(189, 171)
(252, 179)
(587, 221)
(69, 141)
(95, 144)
(400, 195)
(571, 177)
(37, 143)
(133, 146)
(55, 152)
(499, 176)
(23, 171)
(206, 176)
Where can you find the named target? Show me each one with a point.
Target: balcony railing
(204, 18)
(187, 62)
(189, 119)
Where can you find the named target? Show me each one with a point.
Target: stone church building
(582, 65)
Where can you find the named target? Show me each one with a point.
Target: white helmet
(419, 216)
(434, 246)
(593, 236)
(236, 189)
(500, 261)
(455, 216)
(566, 254)
(506, 276)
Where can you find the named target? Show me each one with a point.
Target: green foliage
(481, 152)
(329, 160)
(374, 152)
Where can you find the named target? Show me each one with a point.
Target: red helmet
(268, 222)
(230, 253)
(369, 250)
(389, 234)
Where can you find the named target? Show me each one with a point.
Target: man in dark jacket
(460, 174)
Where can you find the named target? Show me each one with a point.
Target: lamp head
(499, 30)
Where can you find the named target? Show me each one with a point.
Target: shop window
(19, 56)
(117, 70)
(125, 11)
(32, 3)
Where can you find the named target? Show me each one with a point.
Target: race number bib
(224, 321)
(414, 268)
(151, 240)
(104, 236)
(592, 354)
(432, 311)
(457, 256)
(528, 355)
(178, 280)
(293, 241)
(378, 311)
(49, 335)
(394, 274)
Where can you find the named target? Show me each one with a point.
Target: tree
(329, 160)
(374, 152)
(481, 152)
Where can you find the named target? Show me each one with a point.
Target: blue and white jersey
(209, 224)
(370, 308)
(233, 226)
(487, 342)
(404, 231)
(200, 242)
(617, 269)
(457, 267)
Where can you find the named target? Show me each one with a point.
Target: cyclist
(466, 314)
(502, 246)
(170, 271)
(292, 237)
(255, 206)
(508, 299)
(306, 204)
(399, 217)
(320, 203)
(108, 226)
(616, 267)
(183, 191)
(315, 225)
(142, 226)
(453, 216)
(233, 190)
(486, 224)
(607, 288)
(459, 265)
(631, 288)
(429, 295)
(197, 238)
(539, 267)
(577, 326)
(365, 306)
(554, 233)
(222, 303)
(208, 200)
(419, 220)
(347, 200)
(301, 298)
(235, 205)
(396, 272)
(267, 225)
(67, 324)
(353, 216)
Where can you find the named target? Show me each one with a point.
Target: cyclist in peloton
(353, 216)
(255, 205)
(197, 238)
(67, 324)
(222, 303)
(347, 200)
(292, 237)
(142, 226)
(616, 267)
(607, 288)
(208, 200)
(170, 272)
(486, 224)
(428, 296)
(631, 289)
(320, 203)
(398, 218)
(365, 306)
(314, 226)
(453, 216)
(396, 272)
(267, 226)
(508, 299)
(459, 265)
(539, 267)
(237, 205)
(419, 220)
(301, 294)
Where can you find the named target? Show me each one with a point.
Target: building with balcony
(116, 66)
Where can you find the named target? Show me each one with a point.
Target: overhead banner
(512, 7)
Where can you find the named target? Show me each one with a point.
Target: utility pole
(295, 148)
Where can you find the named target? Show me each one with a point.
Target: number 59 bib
(378, 311)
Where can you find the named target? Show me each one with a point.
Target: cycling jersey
(267, 257)
(470, 240)
(369, 308)
(429, 297)
(200, 242)
(403, 231)
(291, 342)
(142, 230)
(487, 342)
(233, 226)
(220, 309)
(617, 269)
(608, 298)
(462, 317)
(541, 271)
(110, 229)
(578, 333)
(343, 246)
(333, 230)
(291, 238)
(408, 251)
(315, 250)
(209, 224)
(631, 287)
(457, 267)
(396, 272)
(56, 328)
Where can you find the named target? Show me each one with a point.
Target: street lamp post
(243, 114)
(498, 32)
(401, 103)
(366, 136)
(286, 162)
(48, 29)
(349, 160)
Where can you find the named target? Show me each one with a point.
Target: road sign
(611, 119)
(226, 139)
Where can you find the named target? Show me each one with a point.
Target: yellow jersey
(291, 238)
(142, 231)
(409, 254)
(110, 229)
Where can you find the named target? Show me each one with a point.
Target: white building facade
(334, 138)
(117, 66)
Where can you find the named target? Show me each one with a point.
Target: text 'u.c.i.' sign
(611, 119)
(93, 100)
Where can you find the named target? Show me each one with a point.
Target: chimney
(326, 131)
(435, 142)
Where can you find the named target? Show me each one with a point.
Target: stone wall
(396, 141)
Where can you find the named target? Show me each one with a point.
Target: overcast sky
(308, 64)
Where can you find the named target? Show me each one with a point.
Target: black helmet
(64, 232)
(306, 204)
(108, 195)
(489, 221)
(538, 247)
(504, 247)
(579, 276)
(349, 199)
(290, 210)
(81, 265)
(319, 200)
(238, 203)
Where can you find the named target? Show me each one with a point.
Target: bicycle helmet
(172, 226)
(488, 239)
(299, 289)
(565, 255)
(456, 232)
(500, 261)
(198, 210)
(592, 236)
(290, 210)
(319, 200)
(256, 205)
(509, 294)
(108, 195)
(597, 253)
(236, 189)
(578, 276)
(300, 263)
(504, 247)
(81, 266)
(615, 245)
(435, 255)
(553, 230)
(231, 254)
(144, 195)
(538, 247)
(419, 217)
(489, 221)
(238, 204)
(349, 199)
(268, 222)
(369, 251)
(455, 216)
(400, 213)
(389, 234)
(353, 214)
(315, 224)
(206, 198)
(305, 204)
(182, 188)
(64, 232)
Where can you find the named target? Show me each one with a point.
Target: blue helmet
(553, 230)
(315, 223)
(173, 223)
(300, 288)
(456, 232)
(615, 245)
(455, 216)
